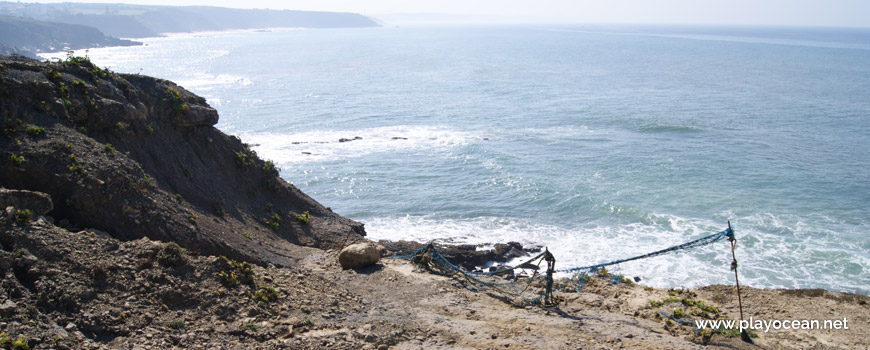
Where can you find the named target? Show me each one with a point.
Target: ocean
(598, 142)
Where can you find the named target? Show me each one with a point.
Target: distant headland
(29, 28)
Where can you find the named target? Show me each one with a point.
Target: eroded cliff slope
(136, 156)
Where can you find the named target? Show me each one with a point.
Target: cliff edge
(134, 156)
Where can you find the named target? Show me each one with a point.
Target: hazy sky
(851, 13)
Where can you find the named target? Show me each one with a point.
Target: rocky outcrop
(27, 35)
(468, 256)
(35, 203)
(137, 157)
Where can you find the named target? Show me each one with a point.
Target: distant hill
(26, 36)
(138, 21)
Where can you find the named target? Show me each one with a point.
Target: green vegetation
(274, 221)
(35, 131)
(219, 208)
(149, 129)
(193, 218)
(269, 168)
(304, 218)
(243, 160)
(18, 160)
(109, 149)
(52, 74)
(177, 323)
(22, 216)
(120, 126)
(265, 294)
(239, 272)
(75, 166)
(176, 102)
(19, 343)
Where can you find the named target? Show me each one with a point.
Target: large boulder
(360, 255)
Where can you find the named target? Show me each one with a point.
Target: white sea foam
(324, 145)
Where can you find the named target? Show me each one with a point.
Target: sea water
(599, 142)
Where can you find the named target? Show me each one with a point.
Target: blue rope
(441, 263)
(688, 245)
(687, 323)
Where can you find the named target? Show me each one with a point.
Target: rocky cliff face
(136, 156)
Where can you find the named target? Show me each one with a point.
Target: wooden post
(743, 333)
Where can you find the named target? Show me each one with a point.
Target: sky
(834, 13)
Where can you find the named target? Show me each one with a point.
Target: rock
(343, 139)
(8, 307)
(37, 202)
(360, 255)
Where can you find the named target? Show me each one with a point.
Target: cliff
(135, 156)
(26, 36)
(138, 21)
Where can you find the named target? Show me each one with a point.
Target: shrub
(177, 323)
(19, 343)
(22, 216)
(18, 160)
(176, 102)
(269, 168)
(304, 218)
(266, 294)
(239, 272)
(170, 255)
(274, 221)
(35, 130)
(243, 159)
(109, 149)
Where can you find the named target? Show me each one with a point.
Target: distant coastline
(30, 28)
